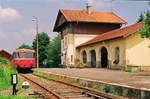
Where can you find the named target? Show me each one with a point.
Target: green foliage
(24, 46)
(3, 60)
(54, 58)
(44, 41)
(145, 31)
(101, 88)
(141, 18)
(49, 52)
(13, 97)
(5, 72)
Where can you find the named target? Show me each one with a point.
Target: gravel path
(138, 80)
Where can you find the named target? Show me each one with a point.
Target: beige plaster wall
(72, 40)
(67, 44)
(137, 50)
(133, 50)
(110, 46)
(81, 38)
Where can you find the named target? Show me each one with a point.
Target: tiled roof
(1, 50)
(95, 16)
(118, 33)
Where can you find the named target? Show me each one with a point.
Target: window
(21, 55)
(84, 57)
(117, 55)
(14, 55)
(28, 55)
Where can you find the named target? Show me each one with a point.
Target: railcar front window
(28, 55)
(14, 55)
(20, 55)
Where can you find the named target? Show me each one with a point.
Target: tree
(24, 46)
(54, 58)
(141, 18)
(145, 31)
(148, 3)
(44, 41)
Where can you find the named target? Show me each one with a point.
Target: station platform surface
(136, 80)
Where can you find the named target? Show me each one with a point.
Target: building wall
(68, 43)
(82, 38)
(94, 28)
(137, 50)
(110, 46)
(134, 50)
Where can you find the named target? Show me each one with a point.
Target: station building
(97, 40)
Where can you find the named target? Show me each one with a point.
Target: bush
(14, 97)
(3, 60)
(81, 65)
(5, 79)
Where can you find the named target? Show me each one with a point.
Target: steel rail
(46, 89)
(88, 91)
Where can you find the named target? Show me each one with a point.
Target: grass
(101, 88)
(58, 78)
(5, 75)
(5, 81)
(13, 97)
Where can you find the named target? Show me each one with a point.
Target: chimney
(88, 8)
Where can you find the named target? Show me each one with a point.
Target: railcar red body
(24, 59)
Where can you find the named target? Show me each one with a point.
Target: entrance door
(104, 57)
(93, 58)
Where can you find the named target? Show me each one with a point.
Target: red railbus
(24, 59)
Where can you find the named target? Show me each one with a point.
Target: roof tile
(95, 16)
(114, 34)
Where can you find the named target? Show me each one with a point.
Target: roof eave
(57, 30)
(130, 33)
(60, 12)
(97, 22)
(99, 41)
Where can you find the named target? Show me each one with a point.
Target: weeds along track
(62, 90)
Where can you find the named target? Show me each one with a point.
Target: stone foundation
(144, 68)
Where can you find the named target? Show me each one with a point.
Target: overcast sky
(17, 27)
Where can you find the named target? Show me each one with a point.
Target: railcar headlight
(18, 64)
(31, 62)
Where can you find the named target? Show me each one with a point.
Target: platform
(140, 80)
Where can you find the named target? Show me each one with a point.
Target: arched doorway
(93, 58)
(104, 57)
(84, 57)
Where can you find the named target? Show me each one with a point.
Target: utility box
(132, 68)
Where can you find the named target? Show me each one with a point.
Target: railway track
(62, 90)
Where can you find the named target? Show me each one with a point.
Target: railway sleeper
(92, 95)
